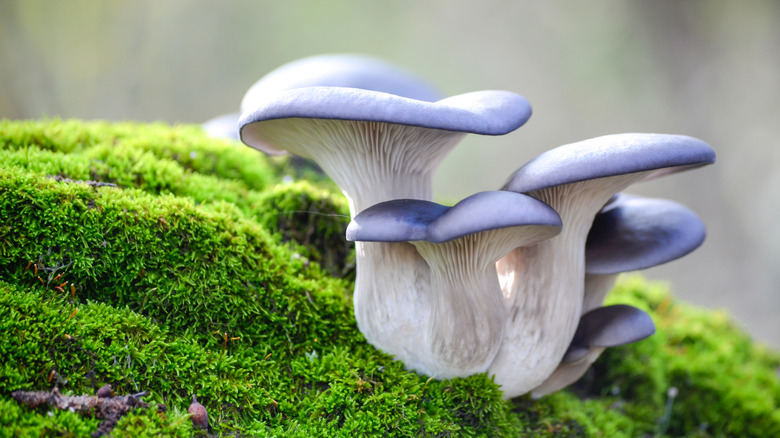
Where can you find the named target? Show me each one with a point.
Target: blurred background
(710, 69)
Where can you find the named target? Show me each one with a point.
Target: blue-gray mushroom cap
(489, 112)
(633, 232)
(611, 155)
(340, 70)
(406, 220)
(609, 326)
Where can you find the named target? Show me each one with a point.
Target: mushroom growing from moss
(544, 284)
(379, 147)
(629, 233)
(461, 330)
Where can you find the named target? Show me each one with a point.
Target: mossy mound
(157, 259)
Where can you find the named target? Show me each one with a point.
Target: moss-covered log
(156, 259)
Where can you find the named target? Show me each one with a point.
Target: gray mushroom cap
(611, 155)
(487, 112)
(224, 126)
(340, 70)
(406, 220)
(608, 326)
(632, 233)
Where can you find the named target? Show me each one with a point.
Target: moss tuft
(157, 259)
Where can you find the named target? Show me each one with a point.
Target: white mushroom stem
(567, 373)
(391, 298)
(543, 286)
(468, 315)
(597, 286)
(373, 162)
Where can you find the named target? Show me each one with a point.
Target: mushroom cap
(224, 126)
(610, 155)
(340, 70)
(407, 220)
(487, 112)
(608, 326)
(633, 232)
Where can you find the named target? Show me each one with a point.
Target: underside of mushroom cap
(482, 112)
(633, 232)
(340, 70)
(610, 155)
(406, 220)
(609, 326)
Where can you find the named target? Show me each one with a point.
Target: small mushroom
(598, 329)
(198, 414)
(379, 147)
(544, 284)
(461, 330)
(104, 391)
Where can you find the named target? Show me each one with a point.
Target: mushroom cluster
(508, 282)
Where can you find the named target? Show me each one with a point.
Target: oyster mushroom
(629, 233)
(379, 147)
(544, 284)
(376, 146)
(462, 330)
(598, 329)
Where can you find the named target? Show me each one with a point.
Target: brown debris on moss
(109, 409)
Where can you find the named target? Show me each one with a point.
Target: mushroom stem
(391, 299)
(597, 286)
(468, 315)
(455, 326)
(543, 286)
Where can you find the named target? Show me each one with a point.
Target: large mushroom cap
(481, 112)
(340, 70)
(610, 155)
(406, 220)
(632, 233)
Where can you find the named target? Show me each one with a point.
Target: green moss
(314, 218)
(202, 273)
